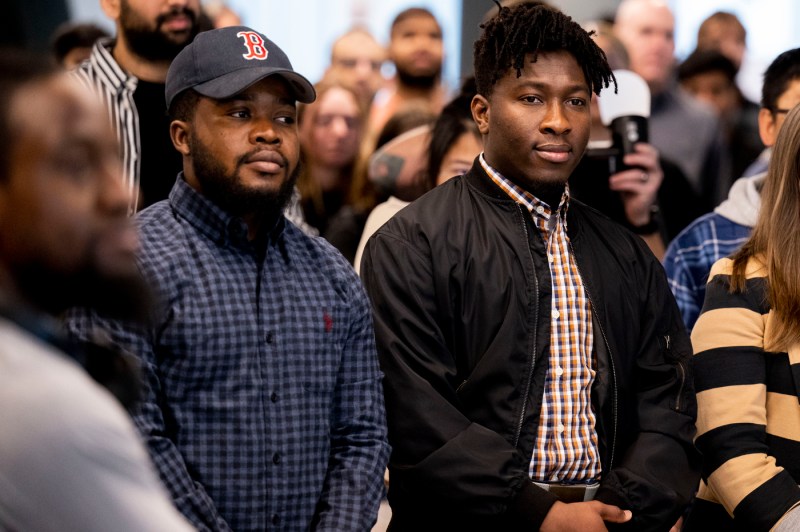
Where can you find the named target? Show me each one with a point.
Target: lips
(267, 162)
(554, 153)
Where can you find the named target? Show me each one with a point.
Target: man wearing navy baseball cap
(263, 406)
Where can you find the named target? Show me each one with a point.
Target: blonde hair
(776, 238)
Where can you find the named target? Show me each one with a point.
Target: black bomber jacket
(461, 291)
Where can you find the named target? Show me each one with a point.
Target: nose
(555, 121)
(263, 132)
(339, 127)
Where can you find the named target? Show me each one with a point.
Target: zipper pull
(666, 341)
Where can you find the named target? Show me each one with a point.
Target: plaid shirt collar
(537, 207)
(210, 219)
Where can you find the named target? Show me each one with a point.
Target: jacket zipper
(682, 372)
(610, 360)
(529, 380)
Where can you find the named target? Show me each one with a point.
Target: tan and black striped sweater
(748, 422)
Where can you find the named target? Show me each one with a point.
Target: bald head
(647, 29)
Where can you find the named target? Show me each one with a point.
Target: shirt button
(270, 337)
(560, 428)
(276, 519)
(551, 258)
(274, 397)
(559, 371)
(276, 458)
(556, 314)
(540, 209)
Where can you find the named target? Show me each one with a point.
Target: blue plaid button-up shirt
(263, 406)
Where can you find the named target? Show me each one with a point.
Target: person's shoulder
(754, 269)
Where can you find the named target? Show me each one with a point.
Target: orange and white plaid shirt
(566, 449)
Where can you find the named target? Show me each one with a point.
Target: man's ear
(480, 113)
(179, 133)
(767, 128)
(111, 8)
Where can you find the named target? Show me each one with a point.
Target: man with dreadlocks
(536, 365)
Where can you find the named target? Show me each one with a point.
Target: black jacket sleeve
(658, 468)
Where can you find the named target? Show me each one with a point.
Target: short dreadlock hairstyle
(533, 28)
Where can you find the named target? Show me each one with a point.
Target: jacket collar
(110, 74)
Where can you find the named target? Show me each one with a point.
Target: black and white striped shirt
(115, 87)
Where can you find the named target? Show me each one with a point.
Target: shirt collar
(102, 59)
(536, 206)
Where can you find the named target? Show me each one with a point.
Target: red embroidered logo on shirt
(328, 321)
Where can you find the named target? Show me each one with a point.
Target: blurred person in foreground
(70, 458)
(536, 364)
(747, 358)
(718, 234)
(262, 406)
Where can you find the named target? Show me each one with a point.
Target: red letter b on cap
(254, 44)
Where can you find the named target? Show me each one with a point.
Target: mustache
(175, 11)
(246, 158)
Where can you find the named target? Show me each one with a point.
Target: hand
(639, 186)
(677, 526)
(583, 516)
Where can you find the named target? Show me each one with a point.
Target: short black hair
(705, 61)
(184, 105)
(411, 12)
(17, 68)
(779, 74)
(532, 28)
(454, 120)
(69, 36)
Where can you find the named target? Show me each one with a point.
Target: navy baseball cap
(223, 62)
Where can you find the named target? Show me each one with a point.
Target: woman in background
(747, 365)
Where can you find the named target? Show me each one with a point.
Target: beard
(152, 43)
(419, 80)
(124, 296)
(227, 191)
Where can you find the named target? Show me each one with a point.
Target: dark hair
(411, 12)
(531, 28)
(69, 36)
(17, 68)
(454, 121)
(719, 17)
(779, 74)
(705, 61)
(184, 105)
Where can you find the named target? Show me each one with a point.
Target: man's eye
(531, 99)
(288, 120)
(577, 102)
(240, 114)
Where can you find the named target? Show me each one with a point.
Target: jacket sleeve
(656, 469)
(438, 454)
(359, 450)
(188, 495)
(734, 403)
